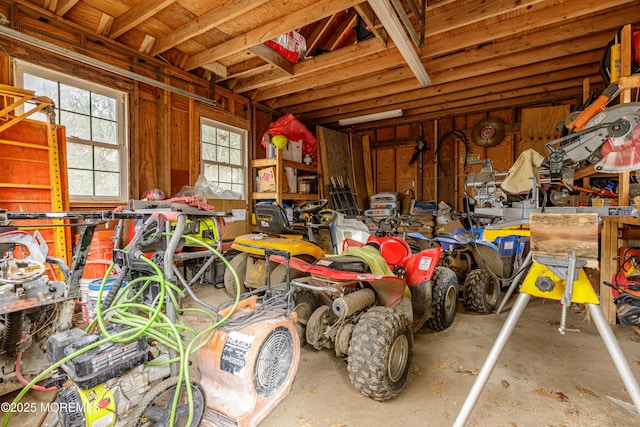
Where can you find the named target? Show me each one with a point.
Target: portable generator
(109, 385)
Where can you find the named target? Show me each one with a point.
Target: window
(223, 149)
(95, 126)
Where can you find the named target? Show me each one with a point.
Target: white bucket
(93, 289)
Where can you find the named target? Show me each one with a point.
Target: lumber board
(334, 155)
(358, 170)
(557, 234)
(368, 169)
(539, 126)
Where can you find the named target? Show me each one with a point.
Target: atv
(322, 232)
(368, 302)
(483, 264)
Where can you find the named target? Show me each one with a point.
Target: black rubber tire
(165, 391)
(481, 292)
(239, 264)
(380, 353)
(444, 300)
(304, 302)
(279, 275)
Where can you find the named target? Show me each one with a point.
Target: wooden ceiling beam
(276, 27)
(394, 93)
(137, 15)
(313, 65)
(470, 90)
(581, 36)
(464, 63)
(494, 103)
(223, 13)
(273, 57)
(367, 15)
(318, 32)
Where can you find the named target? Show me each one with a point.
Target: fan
(248, 367)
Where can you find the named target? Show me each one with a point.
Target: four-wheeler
(484, 265)
(368, 302)
(323, 233)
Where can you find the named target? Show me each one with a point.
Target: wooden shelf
(284, 196)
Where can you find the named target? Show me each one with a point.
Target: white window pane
(237, 175)
(42, 87)
(104, 131)
(76, 125)
(208, 152)
(236, 141)
(103, 107)
(208, 134)
(107, 184)
(235, 157)
(106, 159)
(223, 137)
(237, 188)
(225, 174)
(74, 99)
(80, 182)
(79, 156)
(211, 172)
(223, 154)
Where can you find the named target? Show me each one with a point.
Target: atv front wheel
(481, 292)
(239, 265)
(445, 299)
(380, 353)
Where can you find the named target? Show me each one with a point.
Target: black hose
(12, 332)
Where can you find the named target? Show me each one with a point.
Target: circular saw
(610, 139)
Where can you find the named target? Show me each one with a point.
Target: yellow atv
(322, 234)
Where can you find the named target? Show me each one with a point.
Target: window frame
(244, 134)
(122, 144)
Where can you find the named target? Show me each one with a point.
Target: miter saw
(610, 140)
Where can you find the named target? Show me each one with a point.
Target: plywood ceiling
(479, 54)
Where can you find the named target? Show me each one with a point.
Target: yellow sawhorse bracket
(561, 279)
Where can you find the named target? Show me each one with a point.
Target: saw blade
(583, 147)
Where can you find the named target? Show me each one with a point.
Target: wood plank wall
(442, 180)
(163, 126)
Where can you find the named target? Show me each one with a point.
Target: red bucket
(100, 255)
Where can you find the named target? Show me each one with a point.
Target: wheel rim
(492, 294)
(451, 301)
(398, 357)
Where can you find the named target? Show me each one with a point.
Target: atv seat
(271, 219)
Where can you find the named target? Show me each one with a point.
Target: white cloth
(518, 178)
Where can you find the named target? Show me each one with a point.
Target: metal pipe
(351, 303)
(515, 281)
(619, 361)
(492, 359)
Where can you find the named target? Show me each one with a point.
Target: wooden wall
(392, 148)
(163, 138)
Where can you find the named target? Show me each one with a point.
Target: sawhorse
(564, 280)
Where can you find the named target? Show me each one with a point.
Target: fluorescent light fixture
(392, 24)
(370, 117)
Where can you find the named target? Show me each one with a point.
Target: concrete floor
(541, 379)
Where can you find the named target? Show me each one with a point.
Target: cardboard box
(449, 227)
(237, 224)
(267, 179)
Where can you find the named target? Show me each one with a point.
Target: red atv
(368, 302)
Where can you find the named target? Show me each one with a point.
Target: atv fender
(255, 244)
(420, 267)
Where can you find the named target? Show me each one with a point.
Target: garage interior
(429, 209)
